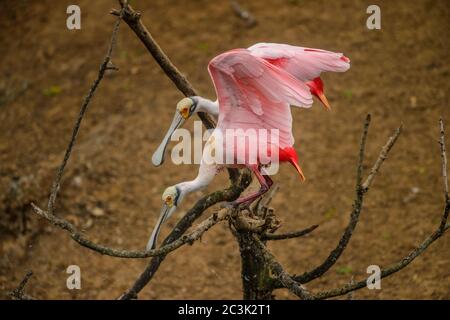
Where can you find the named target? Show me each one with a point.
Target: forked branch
(385, 272)
(360, 190)
(441, 229)
(230, 194)
(175, 239)
(106, 65)
(76, 235)
(239, 182)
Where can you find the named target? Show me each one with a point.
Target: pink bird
(255, 88)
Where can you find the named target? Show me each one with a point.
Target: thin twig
(383, 155)
(357, 205)
(248, 18)
(103, 67)
(444, 176)
(443, 226)
(76, 235)
(350, 295)
(288, 235)
(387, 271)
(362, 149)
(443, 159)
(19, 292)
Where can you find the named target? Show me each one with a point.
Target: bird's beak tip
(158, 155)
(324, 101)
(299, 170)
(156, 163)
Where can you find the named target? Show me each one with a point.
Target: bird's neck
(189, 186)
(207, 106)
(205, 176)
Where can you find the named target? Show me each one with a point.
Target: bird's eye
(185, 112)
(169, 201)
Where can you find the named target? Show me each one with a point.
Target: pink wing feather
(305, 64)
(254, 94)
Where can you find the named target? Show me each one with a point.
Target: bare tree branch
(362, 149)
(264, 201)
(19, 292)
(444, 173)
(443, 157)
(239, 182)
(76, 235)
(229, 194)
(383, 155)
(255, 228)
(288, 235)
(132, 18)
(386, 271)
(360, 189)
(350, 295)
(103, 67)
(443, 226)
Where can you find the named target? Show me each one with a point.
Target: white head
(185, 108)
(171, 197)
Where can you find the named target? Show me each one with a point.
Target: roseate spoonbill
(306, 64)
(255, 88)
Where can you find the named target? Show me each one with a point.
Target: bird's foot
(230, 205)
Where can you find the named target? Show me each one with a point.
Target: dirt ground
(399, 74)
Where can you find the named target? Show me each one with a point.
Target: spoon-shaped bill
(158, 156)
(166, 212)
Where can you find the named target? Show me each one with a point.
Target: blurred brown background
(400, 74)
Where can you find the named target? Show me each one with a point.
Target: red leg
(269, 181)
(265, 181)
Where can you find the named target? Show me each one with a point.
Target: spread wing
(305, 64)
(254, 94)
